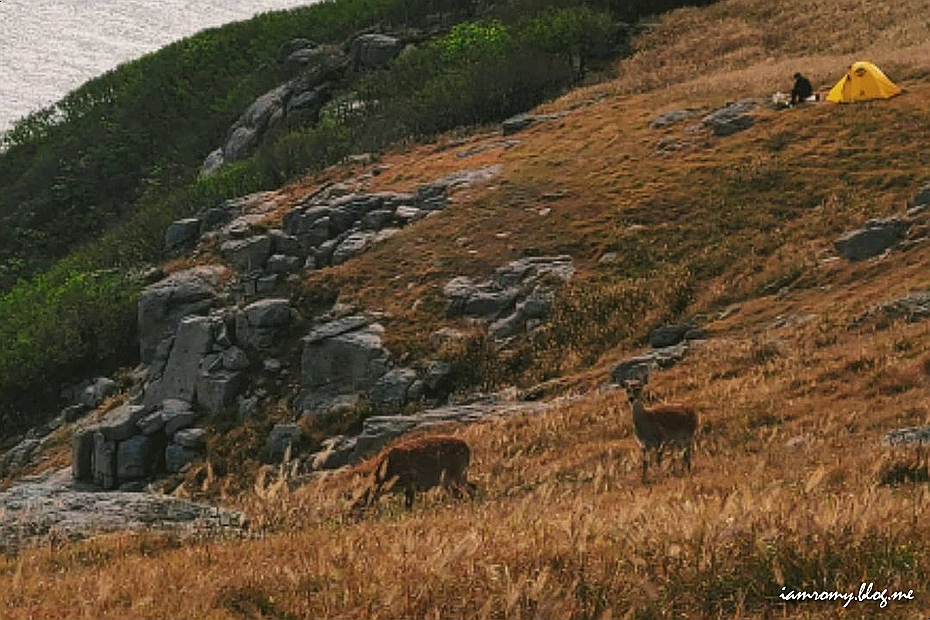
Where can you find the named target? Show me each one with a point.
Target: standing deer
(418, 465)
(660, 426)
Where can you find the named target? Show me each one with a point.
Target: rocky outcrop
(731, 118)
(877, 236)
(669, 335)
(129, 445)
(163, 304)
(377, 431)
(320, 68)
(345, 357)
(633, 367)
(671, 117)
(517, 296)
(912, 307)
(51, 504)
(519, 122)
(374, 51)
(923, 196)
(916, 436)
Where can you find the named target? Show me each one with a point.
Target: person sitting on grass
(802, 89)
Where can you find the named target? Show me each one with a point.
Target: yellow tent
(862, 82)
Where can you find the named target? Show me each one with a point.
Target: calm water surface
(50, 47)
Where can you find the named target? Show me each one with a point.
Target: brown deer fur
(418, 465)
(661, 426)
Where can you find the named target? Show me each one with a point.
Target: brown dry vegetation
(791, 486)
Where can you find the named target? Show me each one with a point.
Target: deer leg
(408, 497)
(688, 449)
(645, 463)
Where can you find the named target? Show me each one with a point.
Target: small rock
(877, 236)
(281, 437)
(182, 234)
(177, 457)
(192, 438)
(281, 263)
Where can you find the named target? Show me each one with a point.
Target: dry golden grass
(791, 486)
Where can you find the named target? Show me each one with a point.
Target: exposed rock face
(922, 197)
(731, 118)
(669, 335)
(99, 390)
(631, 368)
(518, 292)
(319, 68)
(259, 323)
(281, 437)
(377, 431)
(877, 236)
(247, 254)
(347, 362)
(913, 307)
(672, 117)
(519, 122)
(179, 379)
(392, 388)
(374, 51)
(912, 436)
(182, 234)
(163, 304)
(37, 506)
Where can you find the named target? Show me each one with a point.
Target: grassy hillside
(87, 184)
(791, 487)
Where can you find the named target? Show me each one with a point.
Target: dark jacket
(802, 89)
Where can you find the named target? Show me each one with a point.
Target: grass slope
(788, 486)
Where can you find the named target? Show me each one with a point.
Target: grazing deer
(418, 465)
(660, 426)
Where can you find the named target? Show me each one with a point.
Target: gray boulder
(877, 236)
(177, 457)
(281, 437)
(281, 263)
(294, 45)
(248, 254)
(82, 455)
(182, 234)
(133, 459)
(911, 436)
(922, 197)
(377, 219)
(669, 118)
(234, 358)
(99, 390)
(104, 461)
(517, 123)
(283, 243)
(218, 390)
(259, 323)
(507, 326)
(374, 50)
(163, 305)
(731, 118)
(668, 335)
(121, 423)
(633, 367)
(391, 389)
(192, 438)
(213, 162)
(353, 245)
(179, 379)
(176, 420)
(348, 363)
